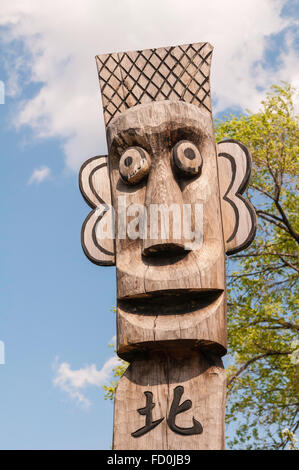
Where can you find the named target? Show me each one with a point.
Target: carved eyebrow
(141, 137)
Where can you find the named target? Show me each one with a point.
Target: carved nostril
(160, 248)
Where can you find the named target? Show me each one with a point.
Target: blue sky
(55, 318)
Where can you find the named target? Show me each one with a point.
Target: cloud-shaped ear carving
(97, 235)
(238, 215)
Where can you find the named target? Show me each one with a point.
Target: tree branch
(292, 232)
(254, 359)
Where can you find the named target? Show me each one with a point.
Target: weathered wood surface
(153, 127)
(162, 286)
(193, 322)
(197, 377)
(179, 73)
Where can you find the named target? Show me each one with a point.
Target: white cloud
(113, 340)
(73, 381)
(39, 175)
(62, 37)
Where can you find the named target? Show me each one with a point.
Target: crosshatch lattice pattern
(173, 73)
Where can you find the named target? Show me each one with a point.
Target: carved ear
(97, 235)
(238, 215)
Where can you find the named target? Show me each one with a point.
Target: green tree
(262, 375)
(263, 282)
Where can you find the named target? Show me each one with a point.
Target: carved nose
(164, 208)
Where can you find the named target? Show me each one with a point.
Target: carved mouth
(169, 302)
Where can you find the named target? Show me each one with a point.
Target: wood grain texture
(154, 273)
(97, 235)
(201, 377)
(179, 73)
(238, 215)
(191, 321)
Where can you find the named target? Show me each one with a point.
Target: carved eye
(187, 158)
(134, 165)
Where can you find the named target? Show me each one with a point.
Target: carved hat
(179, 73)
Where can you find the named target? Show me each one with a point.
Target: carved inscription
(175, 409)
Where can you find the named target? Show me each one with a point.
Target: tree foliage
(262, 372)
(263, 282)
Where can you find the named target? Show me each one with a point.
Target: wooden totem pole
(167, 206)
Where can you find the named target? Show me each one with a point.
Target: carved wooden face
(169, 285)
(164, 154)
